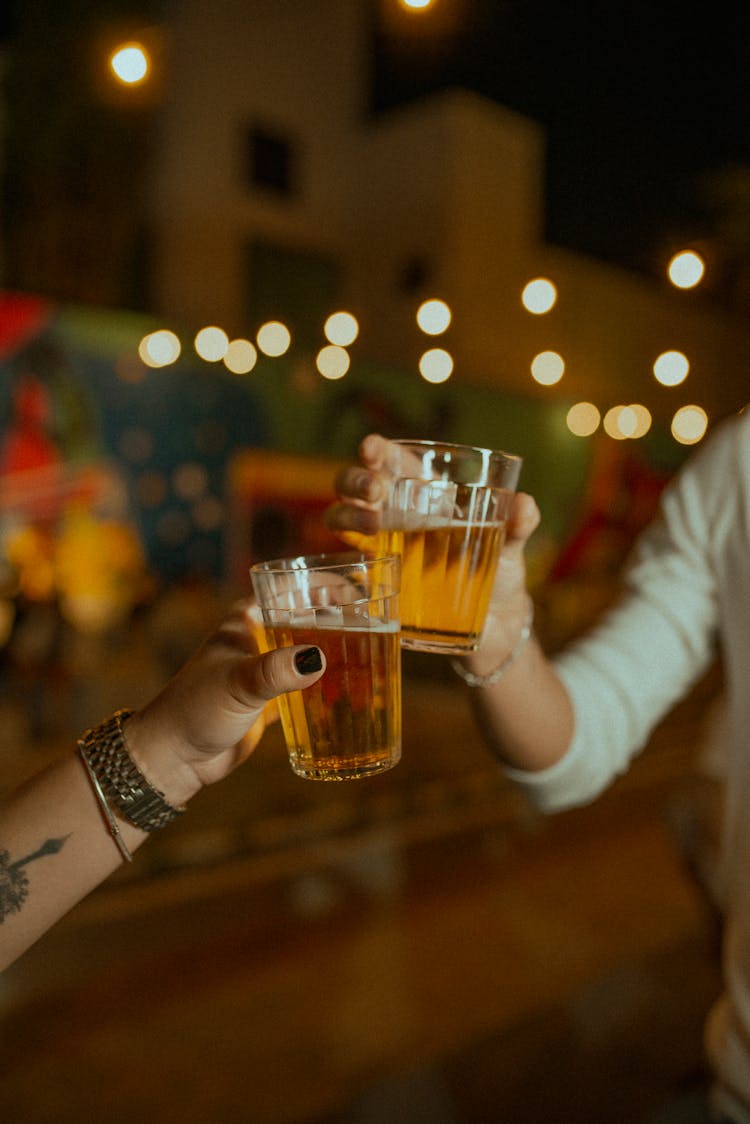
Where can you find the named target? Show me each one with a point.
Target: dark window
(292, 285)
(270, 160)
(414, 275)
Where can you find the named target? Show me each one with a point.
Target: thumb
(263, 677)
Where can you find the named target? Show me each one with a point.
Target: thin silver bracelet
(104, 807)
(498, 672)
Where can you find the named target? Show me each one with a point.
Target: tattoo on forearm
(14, 885)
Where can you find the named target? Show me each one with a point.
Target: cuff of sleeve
(555, 788)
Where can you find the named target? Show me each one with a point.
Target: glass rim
(322, 562)
(455, 446)
(440, 483)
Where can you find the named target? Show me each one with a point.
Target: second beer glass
(445, 516)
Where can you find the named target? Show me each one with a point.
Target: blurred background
(234, 238)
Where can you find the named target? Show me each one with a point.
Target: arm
(55, 842)
(564, 729)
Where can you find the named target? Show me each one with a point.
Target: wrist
(159, 761)
(492, 661)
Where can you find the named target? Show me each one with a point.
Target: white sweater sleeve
(651, 647)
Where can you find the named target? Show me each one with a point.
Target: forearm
(525, 716)
(61, 837)
(55, 848)
(72, 825)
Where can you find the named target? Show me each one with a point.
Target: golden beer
(444, 514)
(348, 724)
(447, 573)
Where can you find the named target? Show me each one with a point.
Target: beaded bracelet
(498, 672)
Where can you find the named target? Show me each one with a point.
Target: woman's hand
(363, 487)
(195, 731)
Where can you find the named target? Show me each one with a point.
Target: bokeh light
(583, 419)
(160, 348)
(130, 63)
(433, 317)
(642, 419)
(612, 425)
(240, 357)
(332, 361)
(436, 365)
(671, 368)
(274, 338)
(686, 269)
(341, 329)
(211, 344)
(689, 425)
(547, 368)
(539, 296)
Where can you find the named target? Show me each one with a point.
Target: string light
(341, 329)
(434, 317)
(686, 269)
(274, 338)
(211, 344)
(539, 296)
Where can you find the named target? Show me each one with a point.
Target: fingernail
(308, 660)
(366, 486)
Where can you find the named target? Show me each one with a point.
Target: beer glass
(348, 724)
(445, 515)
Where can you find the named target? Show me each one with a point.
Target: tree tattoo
(14, 885)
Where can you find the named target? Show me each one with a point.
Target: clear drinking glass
(445, 515)
(348, 724)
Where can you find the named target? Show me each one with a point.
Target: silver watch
(122, 782)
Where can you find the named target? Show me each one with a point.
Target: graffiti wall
(116, 477)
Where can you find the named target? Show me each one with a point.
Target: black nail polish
(308, 660)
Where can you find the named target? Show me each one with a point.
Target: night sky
(639, 101)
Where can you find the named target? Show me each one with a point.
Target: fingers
(523, 520)
(348, 517)
(361, 488)
(263, 677)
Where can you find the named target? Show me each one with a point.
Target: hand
(363, 487)
(194, 732)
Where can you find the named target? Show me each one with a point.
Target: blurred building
(276, 194)
(249, 180)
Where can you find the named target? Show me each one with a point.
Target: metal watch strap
(124, 785)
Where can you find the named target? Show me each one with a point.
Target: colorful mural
(118, 479)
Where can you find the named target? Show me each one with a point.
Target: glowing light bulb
(583, 419)
(689, 425)
(436, 365)
(130, 63)
(686, 269)
(547, 368)
(211, 344)
(274, 338)
(539, 296)
(671, 368)
(332, 361)
(160, 348)
(240, 357)
(611, 423)
(341, 329)
(433, 317)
